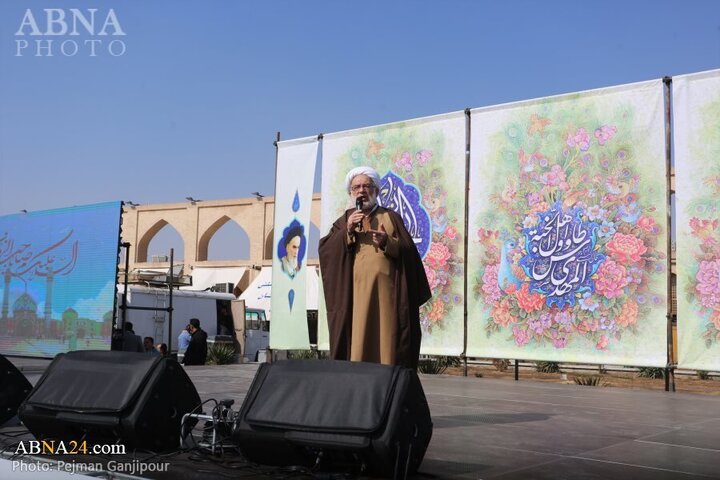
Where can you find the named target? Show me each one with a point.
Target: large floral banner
(696, 128)
(422, 166)
(567, 252)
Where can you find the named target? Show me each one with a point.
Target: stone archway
(141, 251)
(212, 231)
(197, 223)
(269, 246)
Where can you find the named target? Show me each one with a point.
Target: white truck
(212, 309)
(216, 311)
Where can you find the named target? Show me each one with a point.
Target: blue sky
(193, 105)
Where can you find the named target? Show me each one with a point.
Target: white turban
(369, 171)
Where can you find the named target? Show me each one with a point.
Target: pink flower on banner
(540, 207)
(703, 228)
(529, 301)
(635, 275)
(711, 243)
(404, 162)
(588, 326)
(605, 133)
(438, 255)
(533, 198)
(451, 232)
(487, 236)
(431, 277)
(509, 192)
(594, 325)
(490, 284)
(708, 286)
(558, 340)
(501, 313)
(612, 185)
(522, 337)
(516, 269)
(540, 324)
(581, 139)
(715, 317)
(646, 223)
(423, 156)
(626, 249)
(602, 343)
(612, 278)
(628, 313)
(437, 312)
(564, 317)
(588, 302)
(555, 178)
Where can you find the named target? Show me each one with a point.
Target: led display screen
(58, 280)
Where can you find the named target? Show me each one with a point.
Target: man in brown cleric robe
(374, 281)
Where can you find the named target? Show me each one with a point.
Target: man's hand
(354, 219)
(379, 237)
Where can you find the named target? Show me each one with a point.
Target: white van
(257, 333)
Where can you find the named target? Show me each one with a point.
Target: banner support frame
(465, 242)
(273, 353)
(667, 94)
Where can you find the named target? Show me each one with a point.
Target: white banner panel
(323, 329)
(204, 278)
(293, 197)
(422, 166)
(696, 129)
(567, 220)
(259, 292)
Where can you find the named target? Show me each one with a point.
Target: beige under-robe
(374, 305)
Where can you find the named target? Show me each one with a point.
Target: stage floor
(502, 429)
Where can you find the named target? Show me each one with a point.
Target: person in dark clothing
(196, 353)
(131, 342)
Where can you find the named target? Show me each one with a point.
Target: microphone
(358, 207)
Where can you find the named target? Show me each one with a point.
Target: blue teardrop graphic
(296, 202)
(291, 298)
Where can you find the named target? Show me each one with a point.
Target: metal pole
(121, 244)
(465, 240)
(517, 370)
(669, 369)
(270, 355)
(170, 300)
(123, 303)
(123, 307)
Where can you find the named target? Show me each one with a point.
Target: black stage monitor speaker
(107, 396)
(329, 414)
(14, 387)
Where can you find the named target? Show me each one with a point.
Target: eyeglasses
(364, 186)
